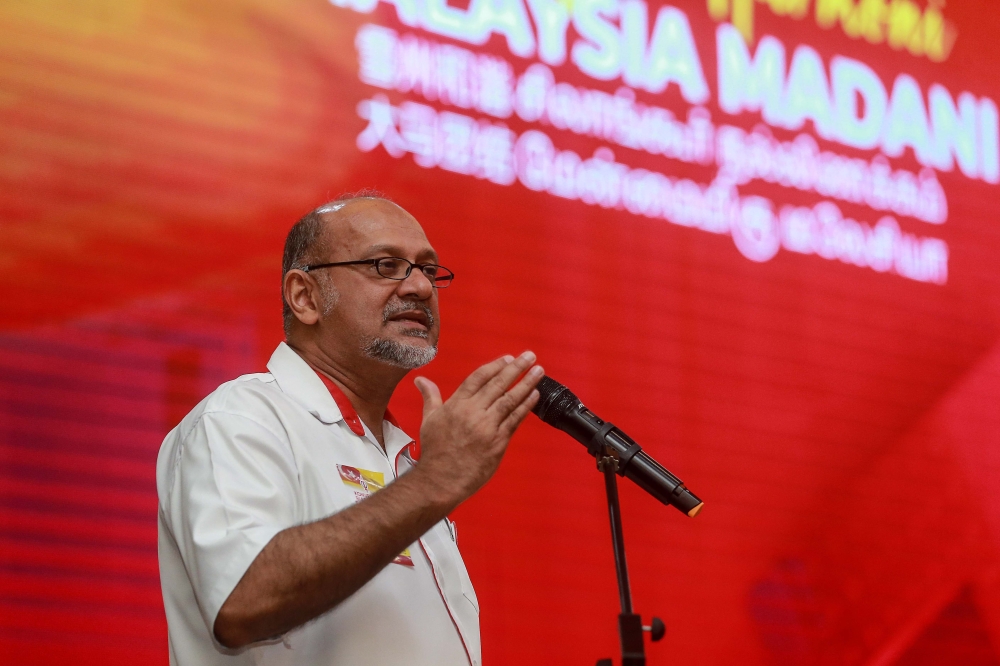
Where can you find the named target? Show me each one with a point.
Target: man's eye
(390, 266)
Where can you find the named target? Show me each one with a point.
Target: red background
(842, 425)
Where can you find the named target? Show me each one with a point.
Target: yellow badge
(364, 482)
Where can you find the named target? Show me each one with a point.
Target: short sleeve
(233, 487)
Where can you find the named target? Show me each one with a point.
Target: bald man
(297, 523)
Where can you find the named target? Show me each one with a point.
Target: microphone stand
(630, 626)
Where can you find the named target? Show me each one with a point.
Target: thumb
(430, 392)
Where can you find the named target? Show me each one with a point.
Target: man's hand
(463, 439)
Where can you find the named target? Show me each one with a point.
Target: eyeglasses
(397, 268)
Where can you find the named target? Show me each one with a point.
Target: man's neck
(368, 387)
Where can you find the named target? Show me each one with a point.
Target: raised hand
(463, 439)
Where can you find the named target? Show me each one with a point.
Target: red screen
(757, 236)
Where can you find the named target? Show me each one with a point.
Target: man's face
(395, 321)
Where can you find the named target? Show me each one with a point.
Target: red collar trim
(352, 419)
(347, 410)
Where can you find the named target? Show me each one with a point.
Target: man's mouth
(413, 317)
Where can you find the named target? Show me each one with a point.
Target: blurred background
(800, 324)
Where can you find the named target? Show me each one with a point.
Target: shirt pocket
(452, 565)
(468, 591)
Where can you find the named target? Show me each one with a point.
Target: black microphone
(558, 407)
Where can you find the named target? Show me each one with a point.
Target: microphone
(558, 407)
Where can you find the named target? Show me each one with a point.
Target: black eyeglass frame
(449, 276)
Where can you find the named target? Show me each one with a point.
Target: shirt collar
(301, 383)
(322, 398)
(347, 410)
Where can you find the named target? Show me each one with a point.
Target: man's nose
(416, 284)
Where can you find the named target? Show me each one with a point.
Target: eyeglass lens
(395, 268)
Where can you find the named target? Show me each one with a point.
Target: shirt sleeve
(234, 486)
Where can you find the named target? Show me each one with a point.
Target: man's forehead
(366, 224)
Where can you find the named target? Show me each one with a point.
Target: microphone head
(555, 400)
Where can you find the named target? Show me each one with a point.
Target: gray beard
(398, 354)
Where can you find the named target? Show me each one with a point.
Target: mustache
(394, 308)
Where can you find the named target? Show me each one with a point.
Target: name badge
(364, 483)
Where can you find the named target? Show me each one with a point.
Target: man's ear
(302, 295)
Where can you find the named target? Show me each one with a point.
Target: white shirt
(270, 451)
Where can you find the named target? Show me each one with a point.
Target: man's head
(352, 312)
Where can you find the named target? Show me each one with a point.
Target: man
(275, 547)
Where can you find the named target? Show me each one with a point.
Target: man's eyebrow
(394, 251)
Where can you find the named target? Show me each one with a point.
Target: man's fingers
(518, 393)
(430, 392)
(516, 417)
(481, 375)
(498, 385)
